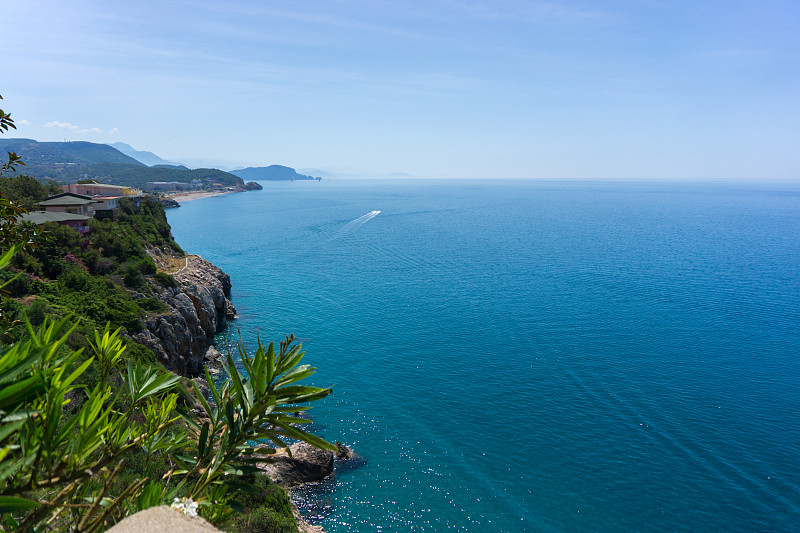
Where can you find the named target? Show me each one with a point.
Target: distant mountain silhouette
(148, 158)
(272, 172)
(318, 172)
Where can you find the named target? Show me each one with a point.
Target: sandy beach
(181, 197)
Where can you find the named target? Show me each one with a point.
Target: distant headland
(272, 172)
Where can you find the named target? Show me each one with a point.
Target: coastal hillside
(138, 176)
(127, 271)
(272, 172)
(70, 161)
(51, 154)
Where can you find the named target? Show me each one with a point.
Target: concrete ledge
(163, 519)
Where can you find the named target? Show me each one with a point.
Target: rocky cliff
(197, 309)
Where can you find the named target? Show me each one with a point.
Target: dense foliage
(64, 441)
(26, 192)
(68, 275)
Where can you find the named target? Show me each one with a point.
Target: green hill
(70, 161)
(36, 153)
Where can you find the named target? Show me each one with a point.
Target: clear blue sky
(593, 89)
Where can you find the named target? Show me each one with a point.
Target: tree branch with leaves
(14, 160)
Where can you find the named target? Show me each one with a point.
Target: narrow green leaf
(203, 400)
(16, 392)
(296, 374)
(78, 371)
(9, 428)
(306, 437)
(16, 503)
(213, 388)
(270, 364)
(201, 441)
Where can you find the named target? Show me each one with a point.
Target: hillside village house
(106, 207)
(106, 197)
(79, 203)
(101, 189)
(77, 222)
(75, 204)
(73, 210)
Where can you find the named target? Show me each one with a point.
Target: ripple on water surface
(533, 356)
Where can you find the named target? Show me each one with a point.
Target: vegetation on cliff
(62, 273)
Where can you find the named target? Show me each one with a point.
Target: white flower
(177, 504)
(187, 505)
(190, 508)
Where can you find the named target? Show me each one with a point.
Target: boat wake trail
(357, 223)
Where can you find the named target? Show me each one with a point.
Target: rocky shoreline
(182, 336)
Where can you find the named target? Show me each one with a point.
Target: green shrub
(10, 320)
(269, 508)
(15, 285)
(28, 263)
(166, 280)
(133, 278)
(137, 352)
(37, 311)
(147, 265)
(98, 299)
(77, 280)
(54, 246)
(154, 305)
(263, 519)
(97, 264)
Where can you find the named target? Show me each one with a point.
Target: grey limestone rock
(197, 309)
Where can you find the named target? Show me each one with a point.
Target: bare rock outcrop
(197, 309)
(305, 465)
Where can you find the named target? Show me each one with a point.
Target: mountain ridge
(34, 152)
(74, 160)
(147, 158)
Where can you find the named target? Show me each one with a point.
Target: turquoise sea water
(530, 355)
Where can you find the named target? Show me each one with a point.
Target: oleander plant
(87, 439)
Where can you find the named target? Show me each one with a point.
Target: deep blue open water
(532, 355)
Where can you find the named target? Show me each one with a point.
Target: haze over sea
(532, 355)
